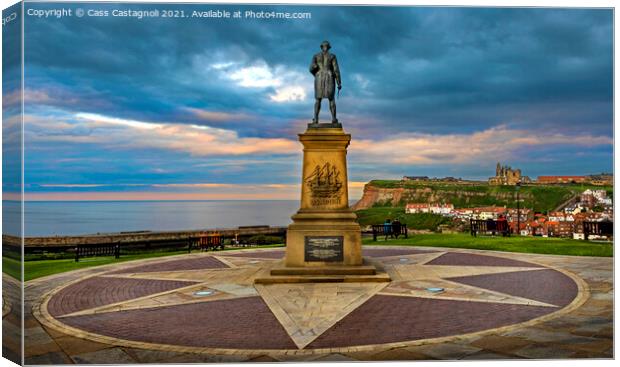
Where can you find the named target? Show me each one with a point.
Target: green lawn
(11, 267)
(378, 215)
(40, 268)
(537, 245)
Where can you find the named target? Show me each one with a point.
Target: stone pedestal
(324, 228)
(324, 242)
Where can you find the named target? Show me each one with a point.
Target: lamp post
(517, 187)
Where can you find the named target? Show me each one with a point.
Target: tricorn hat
(326, 43)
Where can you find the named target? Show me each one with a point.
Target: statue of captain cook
(324, 67)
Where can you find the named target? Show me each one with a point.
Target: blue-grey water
(88, 217)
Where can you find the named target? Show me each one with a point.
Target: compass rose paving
(440, 304)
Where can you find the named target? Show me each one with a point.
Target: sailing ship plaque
(325, 185)
(323, 248)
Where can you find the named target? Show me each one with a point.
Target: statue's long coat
(326, 73)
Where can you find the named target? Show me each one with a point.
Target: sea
(66, 218)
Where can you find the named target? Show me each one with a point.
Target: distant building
(604, 179)
(462, 213)
(606, 202)
(538, 227)
(565, 229)
(562, 179)
(488, 212)
(575, 208)
(428, 179)
(415, 178)
(600, 197)
(560, 217)
(599, 194)
(442, 209)
(524, 214)
(505, 175)
(552, 228)
(587, 199)
(414, 208)
(591, 199)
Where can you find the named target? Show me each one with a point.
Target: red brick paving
(545, 285)
(383, 252)
(244, 323)
(455, 258)
(205, 262)
(259, 254)
(387, 319)
(99, 291)
(374, 252)
(247, 323)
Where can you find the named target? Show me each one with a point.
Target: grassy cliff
(394, 193)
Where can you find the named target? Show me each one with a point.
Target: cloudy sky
(191, 108)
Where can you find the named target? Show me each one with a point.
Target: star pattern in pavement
(307, 310)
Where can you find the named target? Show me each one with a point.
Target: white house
(443, 209)
(489, 212)
(560, 217)
(599, 194)
(413, 208)
(463, 213)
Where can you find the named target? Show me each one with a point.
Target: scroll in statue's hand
(314, 68)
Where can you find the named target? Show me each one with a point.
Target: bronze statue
(324, 67)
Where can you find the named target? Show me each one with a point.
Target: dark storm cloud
(405, 70)
(423, 69)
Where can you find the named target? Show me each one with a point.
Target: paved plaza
(441, 304)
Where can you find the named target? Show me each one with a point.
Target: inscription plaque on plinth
(323, 248)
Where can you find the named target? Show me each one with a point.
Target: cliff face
(465, 196)
(373, 195)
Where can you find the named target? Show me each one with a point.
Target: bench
(489, 226)
(108, 249)
(379, 230)
(211, 241)
(604, 228)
